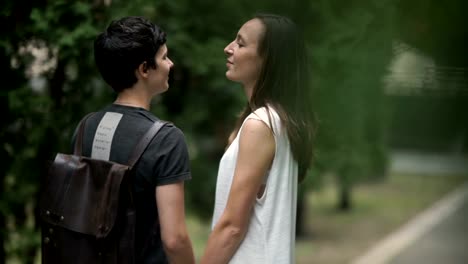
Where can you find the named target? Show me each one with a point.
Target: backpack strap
(77, 150)
(137, 151)
(144, 142)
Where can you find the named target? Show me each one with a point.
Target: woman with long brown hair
(269, 151)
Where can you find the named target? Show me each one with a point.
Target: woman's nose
(228, 49)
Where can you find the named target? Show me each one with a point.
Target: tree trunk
(11, 80)
(344, 202)
(2, 235)
(345, 179)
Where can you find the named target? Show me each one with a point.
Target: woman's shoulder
(265, 113)
(269, 116)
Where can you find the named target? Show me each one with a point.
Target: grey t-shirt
(165, 161)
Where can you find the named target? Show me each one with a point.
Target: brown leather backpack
(86, 207)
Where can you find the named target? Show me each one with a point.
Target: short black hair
(123, 46)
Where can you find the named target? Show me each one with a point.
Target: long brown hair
(284, 85)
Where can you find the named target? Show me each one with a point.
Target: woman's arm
(256, 153)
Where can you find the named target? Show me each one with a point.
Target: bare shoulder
(255, 131)
(252, 125)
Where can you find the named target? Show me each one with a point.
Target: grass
(338, 237)
(379, 208)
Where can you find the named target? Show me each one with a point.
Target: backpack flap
(82, 194)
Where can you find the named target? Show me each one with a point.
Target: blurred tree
(45, 99)
(352, 50)
(438, 31)
(47, 62)
(42, 117)
(351, 46)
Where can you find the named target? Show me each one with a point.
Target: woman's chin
(229, 76)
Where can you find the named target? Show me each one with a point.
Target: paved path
(437, 235)
(446, 243)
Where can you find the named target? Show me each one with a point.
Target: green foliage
(352, 51)
(350, 43)
(39, 122)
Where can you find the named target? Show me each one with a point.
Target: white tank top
(271, 234)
